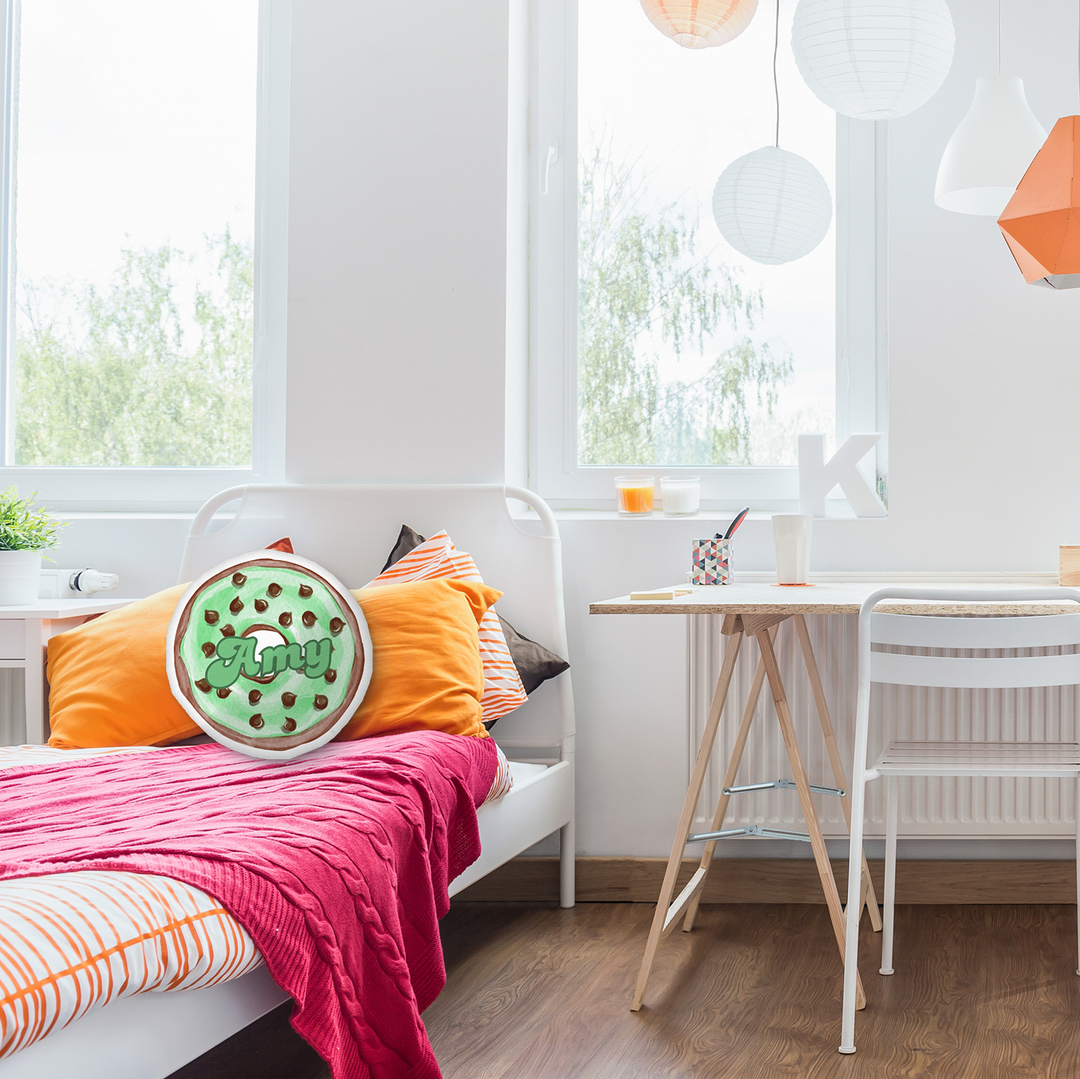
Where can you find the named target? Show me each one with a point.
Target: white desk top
(823, 598)
(63, 608)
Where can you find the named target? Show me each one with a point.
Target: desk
(24, 633)
(758, 610)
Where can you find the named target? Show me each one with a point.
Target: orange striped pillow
(438, 557)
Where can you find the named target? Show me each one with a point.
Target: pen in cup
(738, 520)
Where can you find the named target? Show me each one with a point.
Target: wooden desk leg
(869, 896)
(729, 780)
(813, 828)
(667, 912)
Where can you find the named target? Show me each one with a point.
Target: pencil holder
(712, 561)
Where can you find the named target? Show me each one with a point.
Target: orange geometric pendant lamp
(1041, 223)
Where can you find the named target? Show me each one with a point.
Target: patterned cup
(712, 561)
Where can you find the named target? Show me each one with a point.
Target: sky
(136, 127)
(685, 115)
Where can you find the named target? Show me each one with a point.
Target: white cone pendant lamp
(700, 24)
(990, 150)
(772, 206)
(873, 59)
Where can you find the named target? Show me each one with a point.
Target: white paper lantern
(772, 206)
(990, 150)
(873, 59)
(699, 24)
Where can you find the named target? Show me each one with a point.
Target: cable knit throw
(337, 864)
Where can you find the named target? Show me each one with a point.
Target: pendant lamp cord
(776, 87)
(999, 37)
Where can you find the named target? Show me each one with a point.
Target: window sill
(838, 512)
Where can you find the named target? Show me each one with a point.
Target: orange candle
(635, 494)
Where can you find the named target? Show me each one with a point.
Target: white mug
(791, 537)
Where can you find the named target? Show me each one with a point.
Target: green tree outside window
(131, 375)
(639, 280)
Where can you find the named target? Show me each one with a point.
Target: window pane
(689, 353)
(134, 229)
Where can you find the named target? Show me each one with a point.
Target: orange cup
(635, 495)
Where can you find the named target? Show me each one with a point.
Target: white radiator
(946, 808)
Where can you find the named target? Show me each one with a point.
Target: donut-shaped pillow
(269, 654)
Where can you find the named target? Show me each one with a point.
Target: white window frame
(177, 489)
(861, 294)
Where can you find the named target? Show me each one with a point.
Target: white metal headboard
(351, 529)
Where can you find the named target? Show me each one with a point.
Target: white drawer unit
(12, 638)
(24, 635)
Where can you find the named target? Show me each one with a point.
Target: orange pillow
(426, 669)
(107, 680)
(109, 687)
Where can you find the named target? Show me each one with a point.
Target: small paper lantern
(700, 24)
(772, 206)
(1041, 223)
(990, 150)
(873, 59)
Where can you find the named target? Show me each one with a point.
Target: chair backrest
(989, 632)
(975, 633)
(351, 529)
(945, 632)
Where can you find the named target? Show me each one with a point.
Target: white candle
(681, 494)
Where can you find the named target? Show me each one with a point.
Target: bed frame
(350, 530)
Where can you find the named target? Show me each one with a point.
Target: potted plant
(25, 532)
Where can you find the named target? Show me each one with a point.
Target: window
(653, 343)
(141, 242)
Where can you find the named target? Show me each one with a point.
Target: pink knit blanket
(337, 864)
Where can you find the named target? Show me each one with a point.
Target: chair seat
(980, 759)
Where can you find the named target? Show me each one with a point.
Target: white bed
(350, 530)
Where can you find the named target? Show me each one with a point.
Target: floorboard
(536, 992)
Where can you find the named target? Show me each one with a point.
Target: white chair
(928, 758)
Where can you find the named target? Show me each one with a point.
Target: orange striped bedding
(438, 557)
(73, 942)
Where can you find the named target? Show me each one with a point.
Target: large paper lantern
(699, 24)
(990, 150)
(1041, 223)
(772, 205)
(873, 59)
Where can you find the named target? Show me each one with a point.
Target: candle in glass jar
(635, 495)
(682, 495)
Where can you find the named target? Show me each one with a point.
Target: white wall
(397, 241)
(397, 336)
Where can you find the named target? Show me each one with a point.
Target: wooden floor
(535, 992)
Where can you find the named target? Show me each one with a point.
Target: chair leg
(853, 912)
(1077, 811)
(891, 815)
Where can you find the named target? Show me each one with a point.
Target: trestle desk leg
(869, 895)
(729, 781)
(678, 847)
(813, 828)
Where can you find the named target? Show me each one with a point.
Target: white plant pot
(20, 573)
